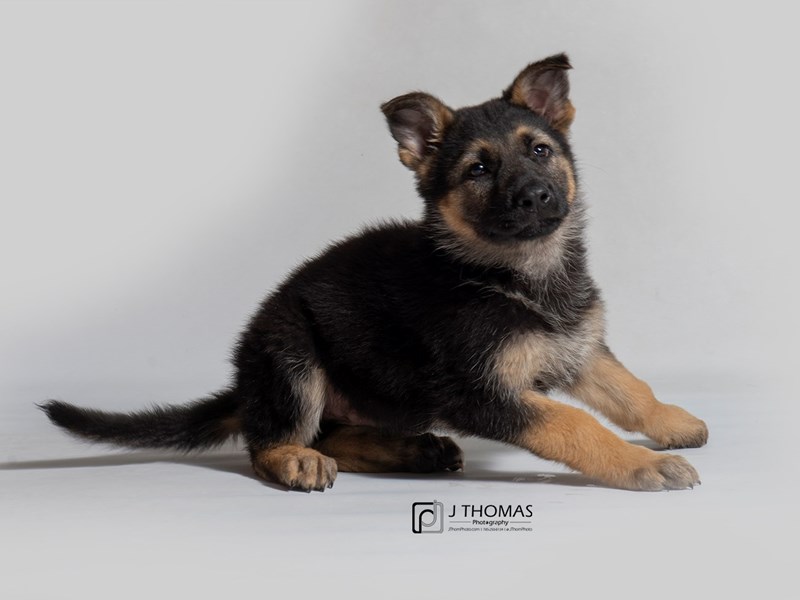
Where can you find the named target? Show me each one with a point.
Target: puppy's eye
(542, 150)
(477, 170)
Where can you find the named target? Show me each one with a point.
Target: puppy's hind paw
(296, 467)
(430, 453)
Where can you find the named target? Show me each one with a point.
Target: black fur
(404, 333)
(401, 323)
(194, 426)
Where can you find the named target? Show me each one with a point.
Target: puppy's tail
(198, 425)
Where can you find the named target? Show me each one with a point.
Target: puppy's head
(498, 178)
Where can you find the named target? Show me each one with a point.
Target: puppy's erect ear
(543, 87)
(417, 121)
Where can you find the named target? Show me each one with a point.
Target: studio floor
(83, 521)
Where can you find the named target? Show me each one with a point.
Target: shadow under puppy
(461, 322)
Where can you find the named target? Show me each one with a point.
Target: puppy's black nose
(531, 197)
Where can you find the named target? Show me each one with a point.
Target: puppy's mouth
(510, 231)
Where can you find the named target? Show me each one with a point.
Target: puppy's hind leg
(281, 420)
(360, 449)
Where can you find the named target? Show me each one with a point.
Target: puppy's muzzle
(533, 210)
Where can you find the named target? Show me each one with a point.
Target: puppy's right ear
(417, 122)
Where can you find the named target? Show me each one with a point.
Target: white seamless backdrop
(164, 165)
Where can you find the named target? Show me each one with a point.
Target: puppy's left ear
(417, 122)
(543, 87)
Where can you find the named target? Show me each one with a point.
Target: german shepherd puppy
(461, 321)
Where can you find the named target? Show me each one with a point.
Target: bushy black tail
(201, 424)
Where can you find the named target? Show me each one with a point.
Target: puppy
(461, 321)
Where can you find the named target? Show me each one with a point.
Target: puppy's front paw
(663, 472)
(673, 427)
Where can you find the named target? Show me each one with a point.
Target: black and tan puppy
(459, 322)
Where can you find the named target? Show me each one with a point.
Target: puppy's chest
(539, 359)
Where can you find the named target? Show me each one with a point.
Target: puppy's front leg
(607, 386)
(571, 436)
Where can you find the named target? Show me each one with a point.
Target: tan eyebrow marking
(474, 149)
(535, 134)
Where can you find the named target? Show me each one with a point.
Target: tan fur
(312, 389)
(360, 450)
(539, 136)
(565, 119)
(572, 186)
(451, 209)
(571, 436)
(368, 450)
(409, 159)
(296, 467)
(526, 357)
(607, 386)
(538, 256)
(561, 122)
